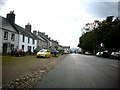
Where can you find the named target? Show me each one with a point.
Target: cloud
(62, 20)
(102, 9)
(119, 9)
(2, 2)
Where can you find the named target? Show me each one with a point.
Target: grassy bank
(14, 67)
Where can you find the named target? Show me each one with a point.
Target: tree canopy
(106, 32)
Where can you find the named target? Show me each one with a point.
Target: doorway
(4, 48)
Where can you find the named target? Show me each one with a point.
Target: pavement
(82, 71)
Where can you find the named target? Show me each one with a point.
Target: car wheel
(111, 57)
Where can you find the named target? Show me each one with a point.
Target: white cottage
(27, 40)
(8, 36)
(24, 39)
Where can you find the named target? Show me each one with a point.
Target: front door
(4, 48)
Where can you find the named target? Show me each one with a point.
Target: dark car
(105, 54)
(17, 52)
(54, 53)
(37, 50)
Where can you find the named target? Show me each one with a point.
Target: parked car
(43, 53)
(99, 54)
(88, 53)
(54, 53)
(17, 52)
(115, 55)
(37, 50)
(105, 54)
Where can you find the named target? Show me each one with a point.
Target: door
(4, 48)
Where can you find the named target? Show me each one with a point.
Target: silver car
(115, 55)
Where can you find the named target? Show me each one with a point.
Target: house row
(14, 36)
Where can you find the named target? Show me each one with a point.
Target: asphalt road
(82, 71)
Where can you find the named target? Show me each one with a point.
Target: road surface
(82, 71)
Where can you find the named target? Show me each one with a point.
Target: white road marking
(115, 65)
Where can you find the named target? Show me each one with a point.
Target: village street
(82, 71)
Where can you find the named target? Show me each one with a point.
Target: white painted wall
(15, 42)
(0, 40)
(26, 44)
(0, 35)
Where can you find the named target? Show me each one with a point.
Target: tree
(106, 32)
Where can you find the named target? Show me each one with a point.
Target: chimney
(49, 38)
(28, 27)
(39, 33)
(46, 36)
(43, 33)
(11, 17)
(35, 32)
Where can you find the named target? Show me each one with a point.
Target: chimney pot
(35, 32)
(11, 17)
(28, 27)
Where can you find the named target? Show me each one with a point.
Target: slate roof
(39, 37)
(4, 24)
(24, 31)
(45, 38)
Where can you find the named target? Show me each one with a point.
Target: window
(13, 37)
(33, 41)
(33, 48)
(29, 48)
(5, 35)
(12, 46)
(28, 40)
(23, 38)
(22, 47)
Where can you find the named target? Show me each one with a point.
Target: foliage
(107, 32)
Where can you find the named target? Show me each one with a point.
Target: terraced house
(15, 36)
(41, 43)
(9, 37)
(45, 42)
(45, 37)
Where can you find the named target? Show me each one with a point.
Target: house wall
(26, 44)
(0, 41)
(42, 44)
(9, 41)
(0, 35)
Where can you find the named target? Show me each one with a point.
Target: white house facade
(26, 43)
(15, 36)
(8, 36)
(27, 40)
(0, 35)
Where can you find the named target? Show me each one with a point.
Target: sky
(62, 20)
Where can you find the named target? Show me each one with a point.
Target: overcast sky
(62, 20)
